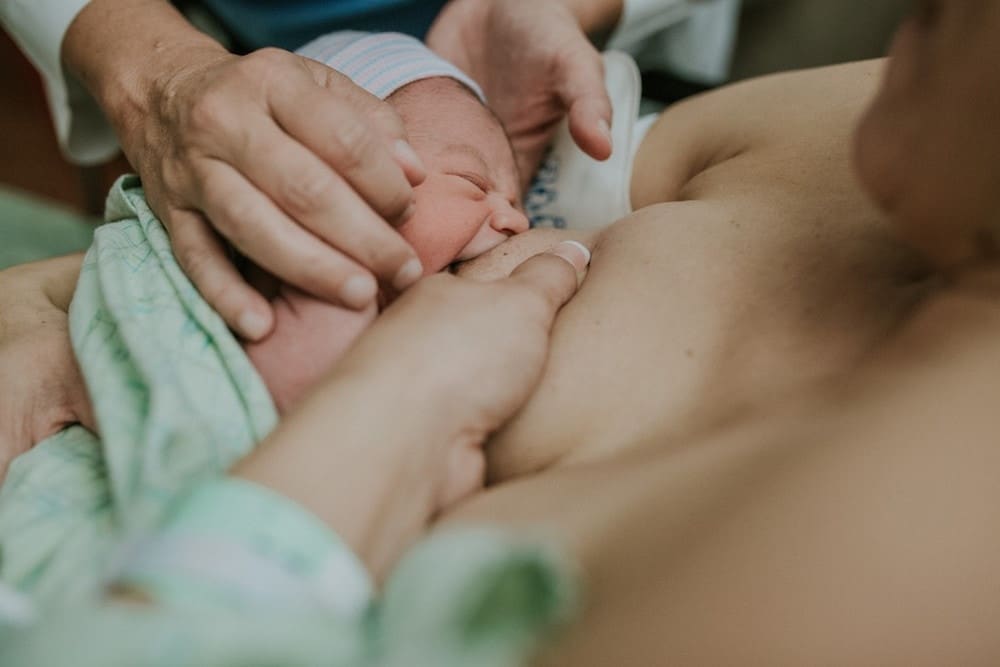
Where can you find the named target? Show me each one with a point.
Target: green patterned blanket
(178, 402)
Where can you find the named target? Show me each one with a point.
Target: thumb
(584, 96)
(554, 274)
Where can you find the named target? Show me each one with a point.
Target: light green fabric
(228, 533)
(31, 229)
(468, 599)
(178, 402)
(175, 397)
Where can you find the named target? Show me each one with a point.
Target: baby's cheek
(309, 337)
(433, 255)
(443, 223)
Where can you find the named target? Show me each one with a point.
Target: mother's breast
(634, 345)
(693, 308)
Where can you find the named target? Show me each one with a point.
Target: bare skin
(468, 203)
(34, 327)
(816, 481)
(746, 249)
(846, 512)
(716, 464)
(224, 149)
(698, 307)
(760, 215)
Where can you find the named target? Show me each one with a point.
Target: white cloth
(691, 38)
(574, 191)
(641, 19)
(38, 26)
(383, 62)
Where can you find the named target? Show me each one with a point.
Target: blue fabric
(291, 23)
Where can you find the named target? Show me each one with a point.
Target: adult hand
(295, 166)
(473, 352)
(535, 65)
(394, 435)
(41, 389)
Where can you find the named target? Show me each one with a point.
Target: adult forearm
(122, 49)
(340, 456)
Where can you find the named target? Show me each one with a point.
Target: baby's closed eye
(475, 180)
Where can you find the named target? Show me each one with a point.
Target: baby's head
(468, 204)
(471, 199)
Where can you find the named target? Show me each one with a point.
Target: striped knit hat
(383, 62)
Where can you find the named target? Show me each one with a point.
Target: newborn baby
(468, 204)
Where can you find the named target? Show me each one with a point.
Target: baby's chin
(308, 339)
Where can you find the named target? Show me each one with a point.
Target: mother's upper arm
(804, 119)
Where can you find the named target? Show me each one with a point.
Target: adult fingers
(255, 226)
(203, 258)
(347, 141)
(582, 92)
(554, 274)
(380, 114)
(389, 124)
(309, 192)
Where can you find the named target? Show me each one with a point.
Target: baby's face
(471, 200)
(469, 203)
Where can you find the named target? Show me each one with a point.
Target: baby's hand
(309, 337)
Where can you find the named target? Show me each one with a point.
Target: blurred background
(774, 35)
(30, 159)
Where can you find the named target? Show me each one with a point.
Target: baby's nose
(507, 219)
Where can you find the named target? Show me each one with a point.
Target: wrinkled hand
(535, 65)
(287, 160)
(394, 434)
(41, 389)
(469, 354)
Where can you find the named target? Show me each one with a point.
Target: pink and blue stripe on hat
(383, 62)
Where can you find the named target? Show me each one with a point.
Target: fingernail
(605, 129)
(253, 326)
(409, 274)
(404, 153)
(573, 252)
(358, 291)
